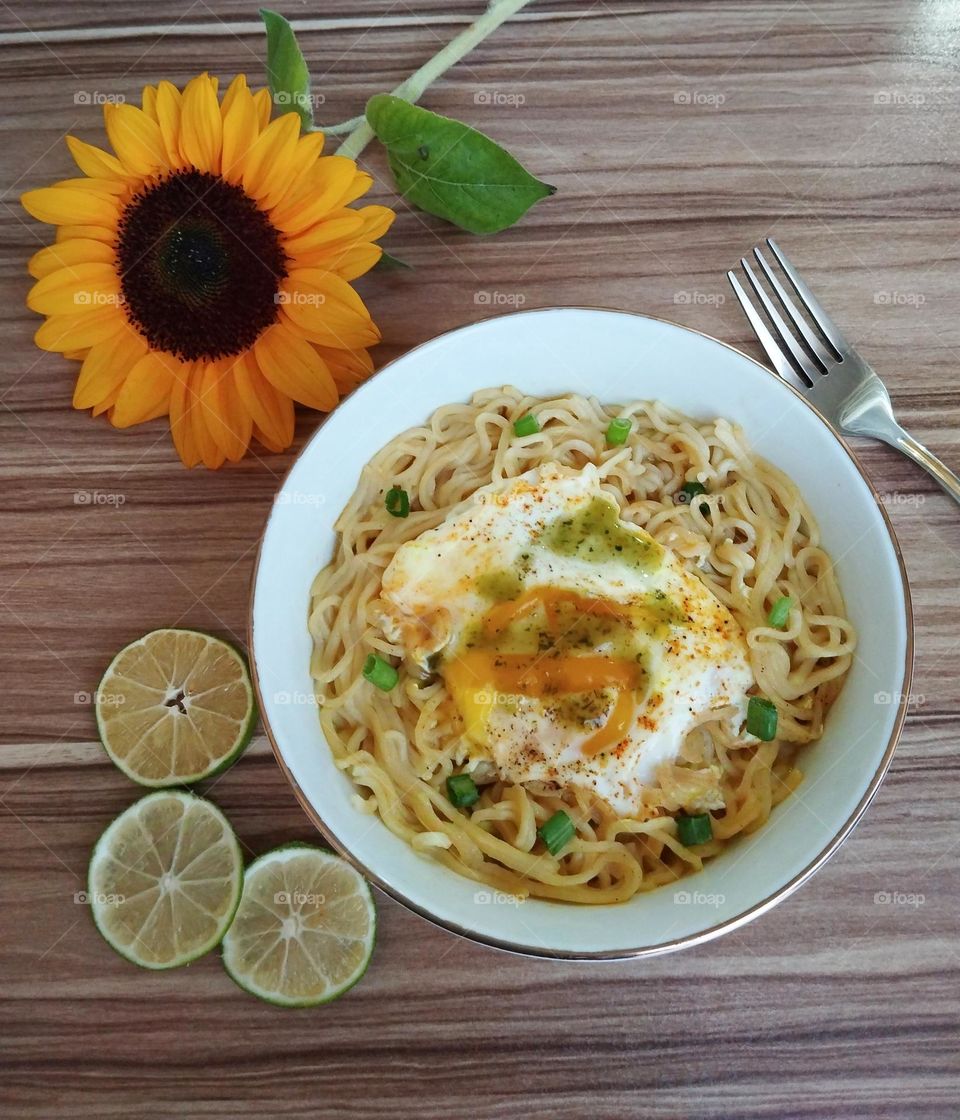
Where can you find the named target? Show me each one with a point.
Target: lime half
(165, 879)
(304, 930)
(174, 707)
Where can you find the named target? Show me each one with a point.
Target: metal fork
(824, 366)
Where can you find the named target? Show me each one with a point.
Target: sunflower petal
(376, 221)
(347, 367)
(148, 101)
(338, 226)
(66, 254)
(94, 161)
(348, 264)
(304, 156)
(201, 127)
(228, 423)
(325, 309)
(267, 162)
(135, 138)
(211, 455)
(234, 90)
(322, 191)
(181, 426)
(264, 106)
(294, 367)
(362, 182)
(73, 332)
(60, 206)
(86, 233)
(270, 410)
(169, 104)
(104, 369)
(69, 290)
(240, 131)
(146, 391)
(240, 420)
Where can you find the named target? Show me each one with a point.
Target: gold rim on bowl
(673, 945)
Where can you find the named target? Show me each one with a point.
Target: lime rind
(219, 765)
(282, 852)
(102, 849)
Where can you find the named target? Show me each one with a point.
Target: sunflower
(203, 271)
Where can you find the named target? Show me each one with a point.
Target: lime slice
(165, 879)
(304, 930)
(174, 707)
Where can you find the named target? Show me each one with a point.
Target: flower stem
(498, 11)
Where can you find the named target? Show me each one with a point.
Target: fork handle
(902, 440)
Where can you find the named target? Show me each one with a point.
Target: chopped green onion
(556, 832)
(462, 790)
(762, 718)
(695, 830)
(380, 672)
(526, 425)
(618, 431)
(689, 490)
(780, 612)
(397, 502)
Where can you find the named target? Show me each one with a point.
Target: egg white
(508, 539)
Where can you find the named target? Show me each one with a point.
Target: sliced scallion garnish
(557, 832)
(762, 718)
(380, 673)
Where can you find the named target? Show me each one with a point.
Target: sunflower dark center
(200, 266)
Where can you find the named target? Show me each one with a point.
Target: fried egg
(577, 649)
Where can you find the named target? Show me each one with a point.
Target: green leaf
(449, 169)
(389, 263)
(287, 71)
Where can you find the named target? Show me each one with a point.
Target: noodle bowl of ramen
(600, 661)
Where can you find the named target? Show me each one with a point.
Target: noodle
(751, 539)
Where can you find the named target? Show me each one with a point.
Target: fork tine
(826, 325)
(775, 353)
(809, 336)
(788, 343)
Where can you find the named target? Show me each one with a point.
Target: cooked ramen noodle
(572, 650)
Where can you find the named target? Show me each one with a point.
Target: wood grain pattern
(679, 134)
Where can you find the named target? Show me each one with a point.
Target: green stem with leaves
(360, 132)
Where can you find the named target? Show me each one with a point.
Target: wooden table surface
(679, 134)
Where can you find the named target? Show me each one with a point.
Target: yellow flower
(203, 271)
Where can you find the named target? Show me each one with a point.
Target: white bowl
(616, 357)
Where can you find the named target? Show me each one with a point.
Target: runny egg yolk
(545, 672)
